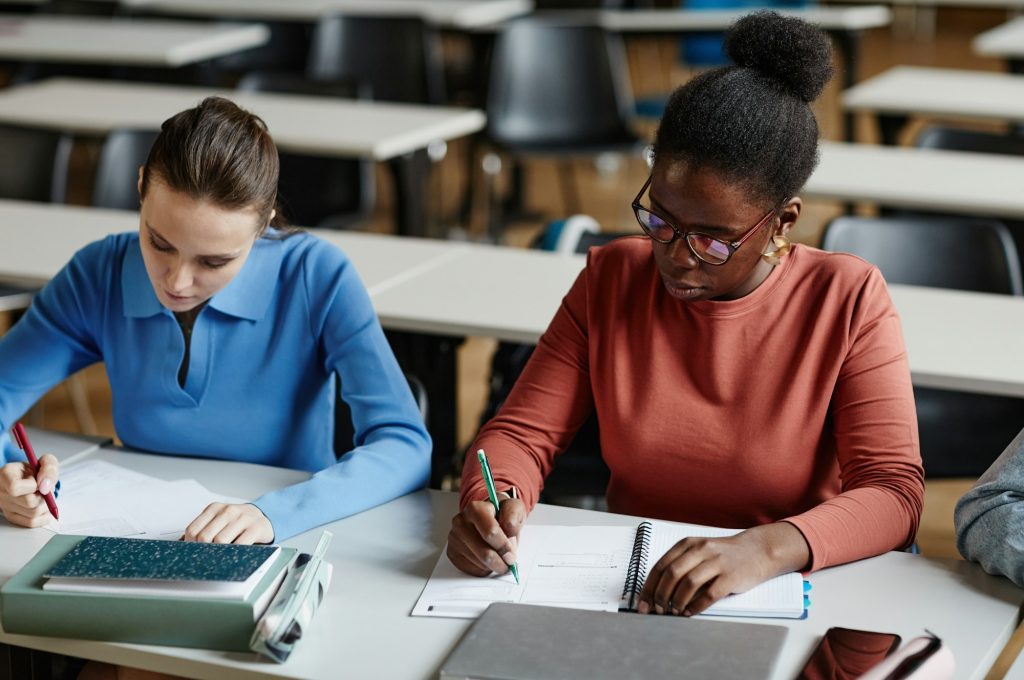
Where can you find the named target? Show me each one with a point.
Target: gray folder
(520, 642)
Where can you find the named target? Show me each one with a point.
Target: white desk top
(69, 228)
(1004, 41)
(135, 42)
(994, 4)
(925, 179)
(315, 125)
(904, 90)
(668, 20)
(382, 559)
(453, 13)
(439, 287)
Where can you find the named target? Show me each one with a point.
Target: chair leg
(79, 392)
(491, 164)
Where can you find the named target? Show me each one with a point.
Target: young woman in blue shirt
(222, 337)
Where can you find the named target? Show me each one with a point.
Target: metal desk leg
(410, 175)
(889, 126)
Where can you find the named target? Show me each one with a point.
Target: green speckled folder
(136, 558)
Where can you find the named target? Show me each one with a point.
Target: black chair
(286, 49)
(37, 167)
(579, 476)
(399, 57)
(959, 139)
(559, 89)
(961, 433)
(344, 430)
(316, 191)
(124, 151)
(923, 250)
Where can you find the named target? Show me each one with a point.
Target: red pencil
(21, 438)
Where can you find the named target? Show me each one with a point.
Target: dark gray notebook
(520, 642)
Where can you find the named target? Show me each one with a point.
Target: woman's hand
(235, 523)
(20, 490)
(480, 543)
(697, 572)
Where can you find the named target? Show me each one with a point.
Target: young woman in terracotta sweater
(738, 381)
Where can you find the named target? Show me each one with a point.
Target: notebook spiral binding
(637, 563)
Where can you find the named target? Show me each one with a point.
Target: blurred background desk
(396, 133)
(904, 91)
(136, 42)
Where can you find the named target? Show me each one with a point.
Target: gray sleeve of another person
(990, 517)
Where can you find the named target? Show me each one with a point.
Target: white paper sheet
(98, 498)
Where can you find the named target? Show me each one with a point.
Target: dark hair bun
(790, 51)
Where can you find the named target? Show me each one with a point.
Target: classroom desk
(919, 179)
(383, 557)
(135, 42)
(396, 133)
(903, 91)
(457, 14)
(1005, 42)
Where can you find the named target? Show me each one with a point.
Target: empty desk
(920, 179)
(904, 91)
(397, 133)
(1005, 42)
(136, 42)
(461, 14)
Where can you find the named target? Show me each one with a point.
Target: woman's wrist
(782, 546)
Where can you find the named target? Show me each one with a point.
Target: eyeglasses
(705, 248)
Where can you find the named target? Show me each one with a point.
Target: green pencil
(493, 495)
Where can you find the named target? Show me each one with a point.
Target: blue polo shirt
(260, 385)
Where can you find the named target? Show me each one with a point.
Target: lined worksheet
(562, 566)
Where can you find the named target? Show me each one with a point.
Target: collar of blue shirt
(246, 297)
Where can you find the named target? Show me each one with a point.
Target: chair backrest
(286, 49)
(957, 139)
(399, 57)
(344, 429)
(590, 239)
(557, 83)
(36, 168)
(316, 191)
(943, 252)
(123, 152)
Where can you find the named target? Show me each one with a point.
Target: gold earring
(782, 248)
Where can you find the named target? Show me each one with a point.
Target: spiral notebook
(594, 567)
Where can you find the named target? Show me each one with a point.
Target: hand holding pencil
(484, 537)
(26, 489)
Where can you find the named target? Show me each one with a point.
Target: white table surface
(135, 42)
(955, 339)
(925, 179)
(675, 20)
(69, 228)
(975, 4)
(1006, 40)
(383, 557)
(304, 124)
(446, 13)
(960, 93)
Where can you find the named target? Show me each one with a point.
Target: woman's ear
(139, 185)
(788, 214)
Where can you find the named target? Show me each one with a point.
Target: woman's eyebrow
(717, 228)
(227, 256)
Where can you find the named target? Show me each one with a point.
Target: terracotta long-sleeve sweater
(792, 403)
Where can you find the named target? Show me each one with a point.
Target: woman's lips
(683, 291)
